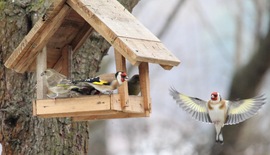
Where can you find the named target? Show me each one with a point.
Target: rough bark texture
(245, 84)
(20, 132)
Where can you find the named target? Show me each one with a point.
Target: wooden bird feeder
(56, 36)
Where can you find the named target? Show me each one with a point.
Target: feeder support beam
(145, 85)
(123, 89)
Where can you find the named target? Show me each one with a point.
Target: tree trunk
(20, 132)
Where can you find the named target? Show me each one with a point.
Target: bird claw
(220, 142)
(74, 94)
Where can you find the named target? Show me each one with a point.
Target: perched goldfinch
(218, 111)
(134, 85)
(106, 82)
(57, 83)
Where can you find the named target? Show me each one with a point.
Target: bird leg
(52, 95)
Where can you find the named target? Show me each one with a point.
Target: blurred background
(223, 46)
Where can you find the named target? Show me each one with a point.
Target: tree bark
(20, 132)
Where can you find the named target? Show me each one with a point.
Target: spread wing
(241, 110)
(195, 106)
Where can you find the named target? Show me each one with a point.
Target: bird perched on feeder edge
(105, 82)
(134, 87)
(218, 111)
(57, 83)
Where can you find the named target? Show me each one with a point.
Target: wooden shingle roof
(70, 22)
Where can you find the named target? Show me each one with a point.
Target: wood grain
(120, 62)
(124, 32)
(145, 85)
(29, 42)
(85, 106)
(41, 66)
(112, 116)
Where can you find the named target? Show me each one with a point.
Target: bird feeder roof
(70, 22)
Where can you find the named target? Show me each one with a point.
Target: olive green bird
(134, 85)
(57, 83)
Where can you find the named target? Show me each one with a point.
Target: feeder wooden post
(145, 85)
(66, 61)
(123, 89)
(41, 66)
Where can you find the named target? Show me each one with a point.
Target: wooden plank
(66, 33)
(124, 32)
(41, 66)
(73, 31)
(42, 40)
(34, 107)
(112, 116)
(120, 63)
(111, 19)
(29, 41)
(63, 65)
(81, 114)
(73, 105)
(58, 66)
(81, 37)
(115, 102)
(136, 105)
(145, 85)
(85, 106)
(145, 51)
(166, 67)
(75, 17)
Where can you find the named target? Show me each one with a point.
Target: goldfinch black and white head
(215, 96)
(105, 82)
(121, 77)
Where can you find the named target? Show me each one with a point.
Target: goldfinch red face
(124, 76)
(121, 77)
(215, 96)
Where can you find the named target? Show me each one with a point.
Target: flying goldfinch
(105, 82)
(134, 85)
(57, 83)
(218, 111)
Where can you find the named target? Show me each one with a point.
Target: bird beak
(124, 78)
